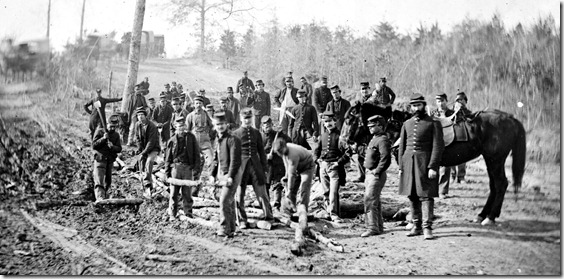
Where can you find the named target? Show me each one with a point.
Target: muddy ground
(45, 157)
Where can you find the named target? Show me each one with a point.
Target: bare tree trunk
(202, 28)
(134, 51)
(82, 21)
(48, 18)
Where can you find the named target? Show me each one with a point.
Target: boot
(427, 212)
(428, 233)
(415, 231)
(99, 193)
(368, 233)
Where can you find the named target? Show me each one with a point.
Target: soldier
(188, 104)
(308, 89)
(286, 99)
(106, 146)
(259, 101)
(331, 157)
(210, 110)
(252, 162)
(151, 108)
(234, 105)
(162, 116)
(442, 110)
(182, 159)
(227, 163)
(202, 93)
(168, 92)
(367, 96)
(305, 124)
(136, 101)
(275, 170)
(459, 171)
(224, 107)
(199, 123)
(378, 160)
(147, 137)
(174, 90)
(145, 84)
(297, 161)
(321, 96)
(177, 113)
(385, 96)
(360, 149)
(420, 152)
(245, 85)
(94, 115)
(338, 106)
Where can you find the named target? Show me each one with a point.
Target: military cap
(229, 89)
(335, 87)
(162, 95)
(442, 96)
(202, 90)
(180, 119)
(219, 116)
(259, 82)
(245, 72)
(247, 113)
(365, 84)
(328, 115)
(224, 99)
(114, 119)
(324, 78)
(141, 110)
(151, 99)
(174, 83)
(461, 96)
(301, 93)
(376, 119)
(417, 98)
(383, 79)
(302, 78)
(182, 95)
(166, 84)
(209, 106)
(98, 90)
(288, 78)
(199, 99)
(266, 119)
(176, 99)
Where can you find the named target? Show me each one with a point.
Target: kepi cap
(441, 96)
(376, 119)
(266, 119)
(328, 115)
(198, 99)
(141, 110)
(417, 98)
(247, 113)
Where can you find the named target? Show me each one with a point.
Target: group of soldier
(239, 146)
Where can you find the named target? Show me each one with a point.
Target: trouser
(444, 180)
(372, 204)
(131, 137)
(300, 137)
(181, 171)
(146, 167)
(164, 136)
(330, 181)
(93, 125)
(102, 175)
(285, 121)
(297, 199)
(360, 153)
(276, 196)
(256, 121)
(421, 210)
(459, 171)
(247, 171)
(227, 207)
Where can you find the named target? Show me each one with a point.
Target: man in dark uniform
(174, 90)
(202, 93)
(224, 107)
(145, 84)
(162, 116)
(321, 97)
(106, 146)
(305, 124)
(151, 108)
(136, 101)
(245, 85)
(275, 170)
(253, 162)
(459, 171)
(338, 106)
(234, 105)
(308, 89)
(178, 112)
(94, 115)
(286, 99)
(420, 151)
(366, 93)
(182, 159)
(442, 110)
(227, 157)
(168, 92)
(330, 157)
(378, 158)
(210, 110)
(385, 95)
(147, 137)
(259, 101)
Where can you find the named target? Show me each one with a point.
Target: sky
(27, 19)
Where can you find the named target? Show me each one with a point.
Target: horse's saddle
(448, 130)
(461, 131)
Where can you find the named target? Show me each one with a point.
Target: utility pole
(48, 18)
(82, 21)
(134, 50)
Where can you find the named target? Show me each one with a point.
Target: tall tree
(134, 51)
(228, 47)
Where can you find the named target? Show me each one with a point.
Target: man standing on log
(377, 162)
(147, 137)
(182, 159)
(95, 120)
(106, 145)
(298, 161)
(420, 152)
(227, 163)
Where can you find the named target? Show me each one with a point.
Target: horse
(493, 135)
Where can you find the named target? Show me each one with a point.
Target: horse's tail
(519, 156)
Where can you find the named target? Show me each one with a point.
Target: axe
(98, 106)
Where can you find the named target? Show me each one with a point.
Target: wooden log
(328, 242)
(118, 202)
(165, 258)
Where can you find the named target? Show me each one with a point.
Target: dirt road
(44, 156)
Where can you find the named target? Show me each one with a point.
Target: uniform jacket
(279, 97)
(175, 115)
(244, 84)
(421, 148)
(252, 148)
(235, 108)
(321, 96)
(230, 119)
(147, 137)
(191, 150)
(260, 102)
(100, 145)
(340, 110)
(309, 92)
(227, 155)
(378, 157)
(306, 118)
(137, 100)
(385, 95)
(328, 149)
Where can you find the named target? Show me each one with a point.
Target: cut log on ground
(118, 202)
(328, 242)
